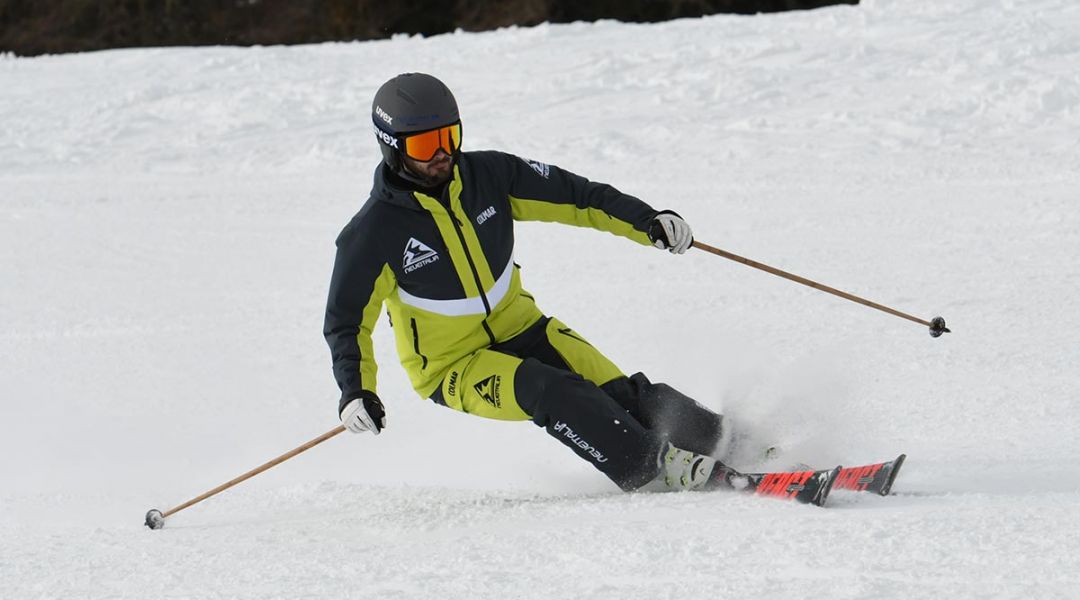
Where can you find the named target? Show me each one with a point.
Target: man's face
(436, 171)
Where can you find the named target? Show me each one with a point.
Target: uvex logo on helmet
(386, 138)
(382, 115)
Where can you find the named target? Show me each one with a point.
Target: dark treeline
(29, 27)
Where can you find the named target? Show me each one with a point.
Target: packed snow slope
(167, 219)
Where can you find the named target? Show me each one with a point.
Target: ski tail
(875, 478)
(805, 487)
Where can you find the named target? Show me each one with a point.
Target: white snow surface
(167, 219)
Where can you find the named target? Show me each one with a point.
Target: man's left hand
(668, 231)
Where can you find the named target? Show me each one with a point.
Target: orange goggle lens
(423, 146)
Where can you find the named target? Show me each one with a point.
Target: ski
(875, 478)
(806, 487)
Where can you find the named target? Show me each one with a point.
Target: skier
(435, 243)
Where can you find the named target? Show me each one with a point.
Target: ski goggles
(423, 146)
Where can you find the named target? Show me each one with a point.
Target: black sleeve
(540, 192)
(361, 281)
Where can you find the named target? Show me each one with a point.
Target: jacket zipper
(416, 344)
(475, 272)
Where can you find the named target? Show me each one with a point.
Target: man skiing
(435, 243)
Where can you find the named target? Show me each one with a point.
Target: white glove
(364, 414)
(668, 231)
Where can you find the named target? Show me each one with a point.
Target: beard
(433, 174)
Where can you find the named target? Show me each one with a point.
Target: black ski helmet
(410, 103)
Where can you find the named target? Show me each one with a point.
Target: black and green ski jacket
(444, 266)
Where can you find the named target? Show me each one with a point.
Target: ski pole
(155, 519)
(936, 325)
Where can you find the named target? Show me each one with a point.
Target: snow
(167, 219)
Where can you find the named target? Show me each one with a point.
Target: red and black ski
(810, 487)
(877, 478)
(806, 487)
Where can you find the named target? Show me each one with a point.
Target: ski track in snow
(167, 219)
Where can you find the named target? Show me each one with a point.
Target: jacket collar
(394, 190)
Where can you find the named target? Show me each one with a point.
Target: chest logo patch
(417, 255)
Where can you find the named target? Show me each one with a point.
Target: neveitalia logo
(541, 169)
(489, 390)
(575, 439)
(417, 254)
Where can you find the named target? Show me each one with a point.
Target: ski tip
(896, 464)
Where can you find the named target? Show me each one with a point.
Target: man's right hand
(362, 414)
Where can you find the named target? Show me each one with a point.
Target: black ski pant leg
(668, 412)
(588, 421)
